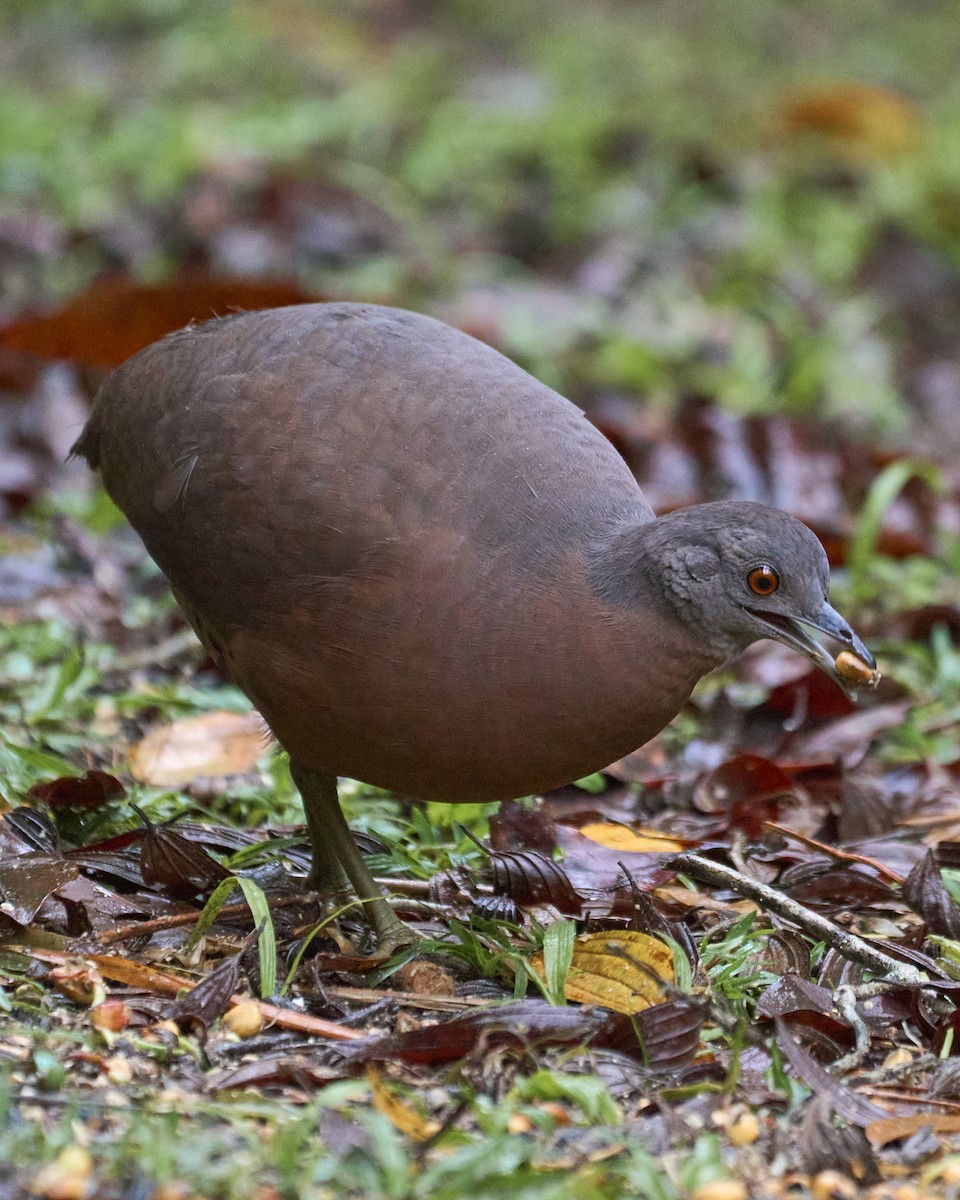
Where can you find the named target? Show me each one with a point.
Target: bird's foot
(392, 934)
(338, 899)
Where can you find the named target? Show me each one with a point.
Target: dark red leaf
(170, 860)
(845, 1103)
(826, 1145)
(924, 891)
(826, 1037)
(516, 827)
(525, 1023)
(847, 738)
(529, 877)
(27, 880)
(199, 1008)
(747, 788)
(917, 624)
(786, 953)
(828, 885)
(275, 1071)
(814, 694)
(90, 791)
(26, 828)
(669, 1033)
(115, 317)
(790, 994)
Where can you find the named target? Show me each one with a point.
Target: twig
(883, 1076)
(833, 852)
(125, 970)
(412, 888)
(920, 1096)
(175, 920)
(846, 1002)
(408, 999)
(847, 944)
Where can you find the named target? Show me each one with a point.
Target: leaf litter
(847, 813)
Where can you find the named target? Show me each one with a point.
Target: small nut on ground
(854, 670)
(245, 1019)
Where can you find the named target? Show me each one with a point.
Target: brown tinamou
(427, 570)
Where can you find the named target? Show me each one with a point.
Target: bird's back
(380, 524)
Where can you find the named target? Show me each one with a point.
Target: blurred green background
(753, 200)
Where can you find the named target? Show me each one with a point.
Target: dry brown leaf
(622, 837)
(621, 970)
(217, 743)
(891, 1129)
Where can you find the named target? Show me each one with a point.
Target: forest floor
(721, 968)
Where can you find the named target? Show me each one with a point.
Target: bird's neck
(628, 571)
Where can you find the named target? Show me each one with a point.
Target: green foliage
(733, 961)
(883, 492)
(558, 940)
(262, 919)
(542, 138)
(489, 949)
(587, 1092)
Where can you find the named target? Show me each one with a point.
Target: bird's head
(736, 572)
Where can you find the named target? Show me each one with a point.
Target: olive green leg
(336, 858)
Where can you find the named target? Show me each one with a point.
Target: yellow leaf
(218, 743)
(399, 1112)
(874, 121)
(622, 837)
(620, 970)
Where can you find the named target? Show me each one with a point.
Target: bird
(426, 569)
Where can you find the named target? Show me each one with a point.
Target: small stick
(848, 944)
(833, 852)
(846, 1002)
(134, 974)
(175, 920)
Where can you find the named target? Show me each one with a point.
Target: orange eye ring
(763, 580)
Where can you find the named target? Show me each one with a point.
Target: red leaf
(115, 317)
(90, 791)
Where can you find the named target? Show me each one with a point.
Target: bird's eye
(763, 580)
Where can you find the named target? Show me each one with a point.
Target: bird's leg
(336, 858)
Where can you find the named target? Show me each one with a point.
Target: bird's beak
(795, 632)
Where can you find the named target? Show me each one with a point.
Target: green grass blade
(883, 492)
(557, 957)
(260, 911)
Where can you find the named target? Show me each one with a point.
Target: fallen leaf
(89, 791)
(529, 877)
(874, 122)
(116, 316)
(399, 1112)
(523, 1023)
(174, 862)
(621, 970)
(217, 743)
(426, 979)
(27, 880)
(891, 1129)
(622, 837)
(925, 892)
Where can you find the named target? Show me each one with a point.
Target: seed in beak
(854, 670)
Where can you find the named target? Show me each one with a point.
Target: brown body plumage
(426, 569)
